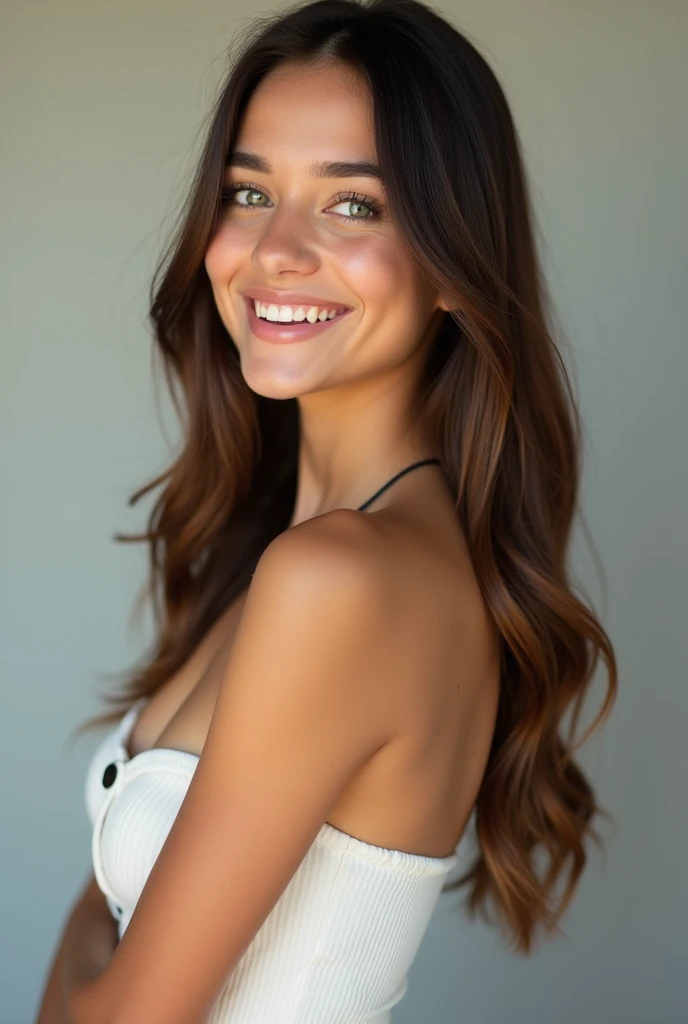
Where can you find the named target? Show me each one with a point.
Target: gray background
(100, 107)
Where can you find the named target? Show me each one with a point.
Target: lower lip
(270, 330)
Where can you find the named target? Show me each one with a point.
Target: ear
(442, 304)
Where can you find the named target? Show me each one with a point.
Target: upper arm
(298, 712)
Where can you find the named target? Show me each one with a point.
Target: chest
(179, 713)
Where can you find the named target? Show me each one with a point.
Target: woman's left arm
(302, 705)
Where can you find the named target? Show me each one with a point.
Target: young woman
(366, 630)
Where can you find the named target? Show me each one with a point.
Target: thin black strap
(423, 462)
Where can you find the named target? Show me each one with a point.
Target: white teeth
(287, 314)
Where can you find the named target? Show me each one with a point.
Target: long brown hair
(496, 401)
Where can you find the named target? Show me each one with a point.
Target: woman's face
(289, 235)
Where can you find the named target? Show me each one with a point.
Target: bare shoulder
(328, 558)
(314, 628)
(322, 595)
(434, 626)
(406, 584)
(320, 603)
(391, 562)
(381, 619)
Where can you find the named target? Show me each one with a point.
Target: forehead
(324, 109)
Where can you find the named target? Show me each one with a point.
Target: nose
(285, 244)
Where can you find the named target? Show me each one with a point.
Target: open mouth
(313, 320)
(299, 313)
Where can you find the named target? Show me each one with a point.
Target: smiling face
(291, 235)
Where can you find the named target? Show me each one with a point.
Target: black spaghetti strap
(423, 462)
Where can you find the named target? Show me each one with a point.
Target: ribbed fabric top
(337, 945)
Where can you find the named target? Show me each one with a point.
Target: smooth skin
(356, 679)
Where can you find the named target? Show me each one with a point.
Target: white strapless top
(337, 945)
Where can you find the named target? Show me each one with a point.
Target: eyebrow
(324, 169)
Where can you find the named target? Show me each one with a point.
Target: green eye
(229, 193)
(354, 199)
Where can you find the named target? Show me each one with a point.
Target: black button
(109, 775)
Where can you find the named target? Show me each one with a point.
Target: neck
(350, 446)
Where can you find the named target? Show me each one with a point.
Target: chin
(265, 381)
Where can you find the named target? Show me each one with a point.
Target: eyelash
(376, 209)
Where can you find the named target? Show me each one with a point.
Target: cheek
(221, 258)
(380, 270)
(374, 268)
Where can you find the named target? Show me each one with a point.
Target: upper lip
(292, 299)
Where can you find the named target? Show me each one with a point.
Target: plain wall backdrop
(100, 107)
